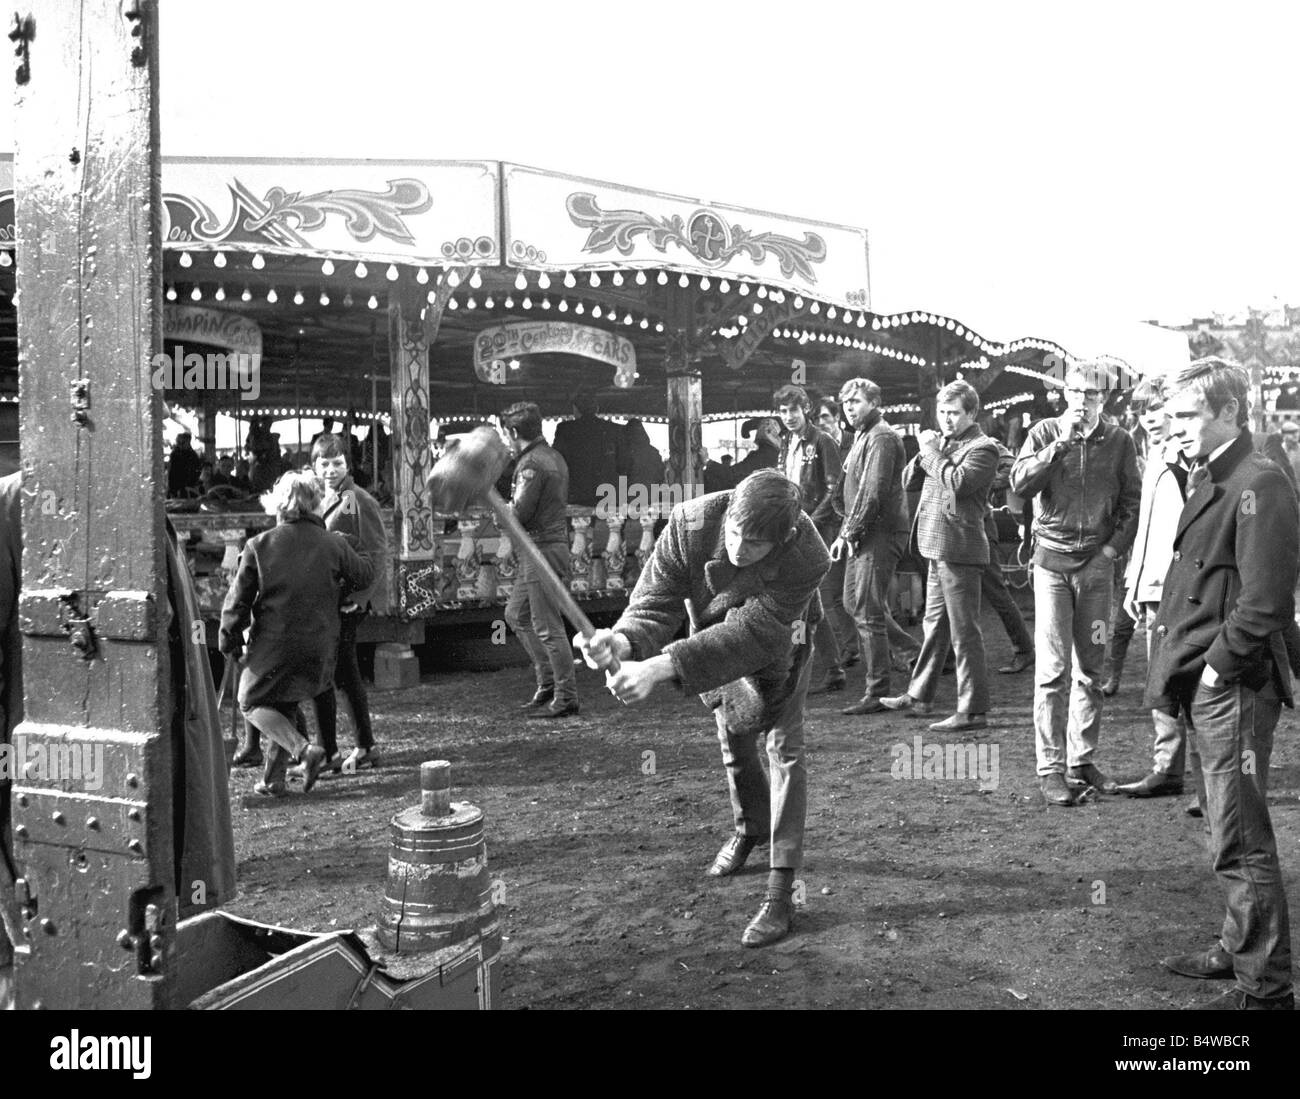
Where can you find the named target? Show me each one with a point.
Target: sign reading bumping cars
(217, 327)
(494, 346)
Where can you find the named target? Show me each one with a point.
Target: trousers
(539, 626)
(1071, 621)
(952, 619)
(775, 804)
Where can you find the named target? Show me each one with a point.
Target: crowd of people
(1210, 530)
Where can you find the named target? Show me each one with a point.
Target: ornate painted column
(418, 570)
(685, 395)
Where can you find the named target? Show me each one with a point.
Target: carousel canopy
(556, 285)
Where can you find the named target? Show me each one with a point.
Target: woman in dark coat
(289, 583)
(642, 463)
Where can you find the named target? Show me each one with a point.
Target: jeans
(775, 806)
(952, 617)
(993, 588)
(1071, 620)
(539, 626)
(1233, 727)
(867, 575)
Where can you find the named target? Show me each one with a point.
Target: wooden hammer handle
(545, 575)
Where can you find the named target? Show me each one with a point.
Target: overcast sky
(1009, 161)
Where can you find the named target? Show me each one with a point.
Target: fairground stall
(410, 298)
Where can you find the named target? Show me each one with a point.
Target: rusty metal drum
(438, 893)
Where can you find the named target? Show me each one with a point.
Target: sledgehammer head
(468, 467)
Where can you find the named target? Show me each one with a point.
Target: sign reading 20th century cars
(494, 346)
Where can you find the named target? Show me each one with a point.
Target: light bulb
(476, 279)
(186, 259)
(361, 271)
(514, 364)
(527, 303)
(272, 296)
(798, 301)
(563, 307)
(431, 297)
(595, 311)
(546, 303)
(815, 308)
(6, 260)
(422, 276)
(297, 297)
(762, 291)
(645, 323)
(391, 273)
(452, 303)
(220, 295)
(246, 295)
(219, 260)
(373, 303)
(725, 286)
(830, 313)
(453, 278)
(704, 282)
(743, 288)
(595, 279)
(521, 283)
(258, 261)
(618, 278)
(659, 326)
(580, 309)
(683, 281)
(569, 281)
(509, 303)
(544, 281)
(627, 319)
(489, 303)
(470, 303)
(324, 298)
(327, 268)
(171, 293)
(662, 280)
(640, 278)
(196, 294)
(347, 299)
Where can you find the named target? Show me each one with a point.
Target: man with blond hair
(1081, 469)
(954, 470)
(872, 535)
(1218, 657)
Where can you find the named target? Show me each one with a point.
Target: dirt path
(924, 892)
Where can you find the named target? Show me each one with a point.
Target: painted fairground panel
(399, 211)
(560, 222)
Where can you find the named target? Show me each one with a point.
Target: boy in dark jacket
(745, 566)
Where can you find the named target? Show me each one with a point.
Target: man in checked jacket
(873, 535)
(744, 566)
(954, 473)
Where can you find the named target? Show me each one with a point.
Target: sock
(780, 882)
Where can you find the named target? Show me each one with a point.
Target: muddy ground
(918, 893)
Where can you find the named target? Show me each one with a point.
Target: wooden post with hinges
(92, 807)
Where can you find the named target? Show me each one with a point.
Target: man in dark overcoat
(744, 566)
(1219, 657)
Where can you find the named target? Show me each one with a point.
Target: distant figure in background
(726, 461)
(641, 463)
(591, 449)
(538, 499)
(267, 465)
(241, 479)
(766, 453)
(1284, 448)
(326, 429)
(1289, 399)
(224, 474)
(183, 467)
